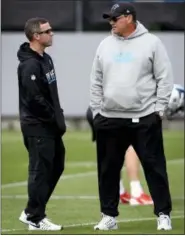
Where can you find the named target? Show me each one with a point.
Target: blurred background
(79, 28)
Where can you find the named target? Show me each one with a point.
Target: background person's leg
(148, 143)
(137, 195)
(132, 168)
(123, 194)
(132, 164)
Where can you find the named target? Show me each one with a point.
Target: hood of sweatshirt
(25, 52)
(140, 30)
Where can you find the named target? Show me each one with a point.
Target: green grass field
(75, 201)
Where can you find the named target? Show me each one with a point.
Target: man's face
(45, 35)
(119, 24)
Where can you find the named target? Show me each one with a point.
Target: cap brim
(107, 15)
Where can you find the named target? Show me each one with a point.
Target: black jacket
(39, 106)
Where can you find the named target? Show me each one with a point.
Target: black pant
(113, 138)
(46, 164)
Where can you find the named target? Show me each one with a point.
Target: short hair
(32, 26)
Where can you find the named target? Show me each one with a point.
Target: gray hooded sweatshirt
(131, 77)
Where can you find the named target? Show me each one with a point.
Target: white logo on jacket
(33, 77)
(51, 76)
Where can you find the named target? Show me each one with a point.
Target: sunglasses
(48, 31)
(115, 19)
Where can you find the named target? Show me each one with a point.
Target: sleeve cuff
(160, 107)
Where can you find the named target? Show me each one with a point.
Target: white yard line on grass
(79, 175)
(54, 197)
(64, 177)
(124, 221)
(178, 212)
(93, 223)
(91, 163)
(176, 161)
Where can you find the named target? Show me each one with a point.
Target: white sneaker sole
(112, 228)
(163, 228)
(31, 227)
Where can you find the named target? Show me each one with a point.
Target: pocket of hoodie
(121, 98)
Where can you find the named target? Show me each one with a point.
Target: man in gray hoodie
(131, 83)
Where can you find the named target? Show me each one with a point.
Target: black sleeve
(58, 111)
(30, 74)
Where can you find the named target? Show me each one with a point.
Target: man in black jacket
(42, 122)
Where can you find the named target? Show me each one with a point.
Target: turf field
(75, 201)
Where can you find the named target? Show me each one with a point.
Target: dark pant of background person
(113, 137)
(46, 164)
(89, 117)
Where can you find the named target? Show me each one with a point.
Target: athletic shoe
(23, 218)
(125, 198)
(44, 224)
(163, 222)
(106, 223)
(143, 199)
